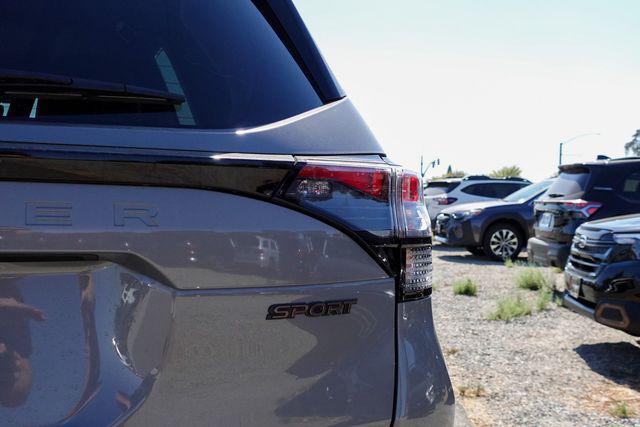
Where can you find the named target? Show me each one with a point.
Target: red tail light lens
(356, 195)
(410, 188)
(373, 182)
(445, 201)
(583, 208)
(412, 212)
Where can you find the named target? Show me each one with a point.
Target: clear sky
(482, 84)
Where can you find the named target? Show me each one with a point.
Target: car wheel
(476, 250)
(503, 241)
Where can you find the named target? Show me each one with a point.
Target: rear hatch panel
(163, 265)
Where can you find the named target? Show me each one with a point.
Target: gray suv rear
(199, 229)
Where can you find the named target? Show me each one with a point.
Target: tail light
(415, 238)
(383, 205)
(581, 208)
(446, 201)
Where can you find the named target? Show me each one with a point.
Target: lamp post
(562, 143)
(431, 164)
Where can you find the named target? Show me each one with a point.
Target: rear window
(569, 184)
(224, 57)
(631, 187)
(435, 188)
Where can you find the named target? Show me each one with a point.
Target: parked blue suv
(499, 229)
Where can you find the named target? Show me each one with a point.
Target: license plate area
(573, 284)
(546, 221)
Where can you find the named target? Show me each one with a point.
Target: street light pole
(562, 143)
(431, 164)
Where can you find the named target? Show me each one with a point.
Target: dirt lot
(552, 367)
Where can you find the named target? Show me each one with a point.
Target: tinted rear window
(571, 183)
(223, 56)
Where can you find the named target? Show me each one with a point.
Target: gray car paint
(193, 239)
(335, 129)
(222, 363)
(227, 366)
(424, 388)
(87, 339)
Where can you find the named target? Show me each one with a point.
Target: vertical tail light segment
(384, 205)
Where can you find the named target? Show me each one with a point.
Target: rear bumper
(610, 298)
(548, 254)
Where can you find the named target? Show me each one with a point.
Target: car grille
(589, 255)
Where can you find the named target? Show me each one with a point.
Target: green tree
(633, 147)
(506, 171)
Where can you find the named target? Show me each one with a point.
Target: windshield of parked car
(226, 58)
(527, 193)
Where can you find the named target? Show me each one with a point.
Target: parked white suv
(443, 193)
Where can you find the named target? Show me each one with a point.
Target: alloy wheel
(504, 243)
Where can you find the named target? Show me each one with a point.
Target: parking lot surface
(552, 367)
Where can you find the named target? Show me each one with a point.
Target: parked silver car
(198, 228)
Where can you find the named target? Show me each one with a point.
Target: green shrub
(465, 287)
(533, 279)
(621, 410)
(557, 300)
(508, 263)
(510, 308)
(545, 296)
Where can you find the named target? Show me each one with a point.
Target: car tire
(476, 250)
(503, 241)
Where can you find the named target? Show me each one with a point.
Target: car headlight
(632, 240)
(462, 215)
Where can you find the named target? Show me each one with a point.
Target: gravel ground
(551, 368)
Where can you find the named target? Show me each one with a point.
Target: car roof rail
(476, 178)
(625, 158)
(488, 178)
(516, 178)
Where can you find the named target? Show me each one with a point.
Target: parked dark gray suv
(602, 274)
(198, 228)
(582, 192)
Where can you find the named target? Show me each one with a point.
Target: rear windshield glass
(569, 184)
(435, 188)
(222, 56)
